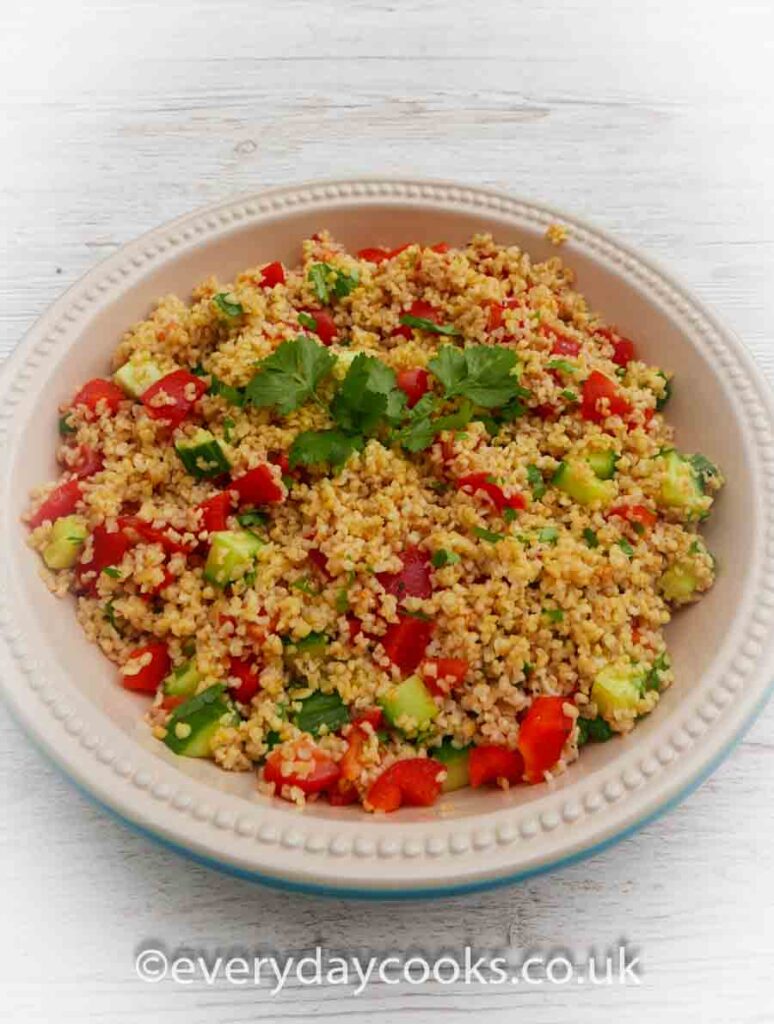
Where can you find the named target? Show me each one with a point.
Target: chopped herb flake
(590, 537)
(112, 572)
(443, 557)
(488, 535)
(554, 614)
(548, 535)
(626, 547)
(227, 307)
(307, 321)
(420, 323)
(536, 482)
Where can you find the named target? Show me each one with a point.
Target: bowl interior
(701, 411)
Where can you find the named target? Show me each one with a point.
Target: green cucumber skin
(410, 698)
(204, 713)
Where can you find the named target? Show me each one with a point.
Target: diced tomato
(272, 274)
(443, 674)
(440, 247)
(638, 515)
(139, 531)
(354, 627)
(172, 397)
(62, 501)
(414, 579)
(350, 763)
(562, 344)
(324, 774)
(102, 393)
(494, 314)
(319, 561)
(419, 308)
(89, 462)
(281, 459)
(107, 548)
(414, 383)
(248, 675)
(375, 255)
(488, 763)
(483, 482)
(542, 734)
(412, 782)
(258, 487)
(214, 512)
(374, 717)
(342, 794)
(325, 326)
(147, 679)
(546, 411)
(623, 348)
(597, 387)
(406, 640)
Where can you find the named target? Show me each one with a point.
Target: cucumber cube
(202, 455)
(183, 681)
(580, 482)
(409, 700)
(618, 688)
(231, 555)
(192, 726)
(136, 377)
(65, 543)
(456, 761)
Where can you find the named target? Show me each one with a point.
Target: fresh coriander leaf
(548, 535)
(321, 709)
(443, 557)
(368, 395)
(420, 323)
(305, 586)
(318, 277)
(327, 280)
(226, 307)
(488, 535)
(65, 426)
(307, 321)
(590, 537)
(570, 396)
(481, 373)
(553, 614)
(536, 482)
(252, 517)
(290, 375)
(234, 396)
(333, 447)
(626, 547)
(112, 572)
(593, 730)
(563, 365)
(703, 468)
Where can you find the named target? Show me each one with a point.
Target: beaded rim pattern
(358, 855)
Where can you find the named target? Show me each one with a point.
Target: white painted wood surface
(654, 119)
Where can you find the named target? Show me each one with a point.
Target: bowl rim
(361, 857)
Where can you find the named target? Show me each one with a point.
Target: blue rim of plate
(406, 895)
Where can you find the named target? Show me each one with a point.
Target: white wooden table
(652, 118)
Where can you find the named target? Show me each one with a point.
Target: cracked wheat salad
(381, 526)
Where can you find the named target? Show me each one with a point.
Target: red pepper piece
(89, 462)
(542, 735)
(172, 397)
(494, 314)
(375, 255)
(440, 247)
(258, 487)
(638, 515)
(139, 531)
(319, 561)
(62, 501)
(414, 383)
(624, 350)
(149, 676)
(412, 782)
(215, 511)
(99, 393)
(354, 627)
(247, 673)
(324, 774)
(325, 326)
(596, 388)
(406, 640)
(443, 674)
(107, 548)
(272, 274)
(414, 579)
(488, 763)
(483, 482)
(374, 717)
(563, 344)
